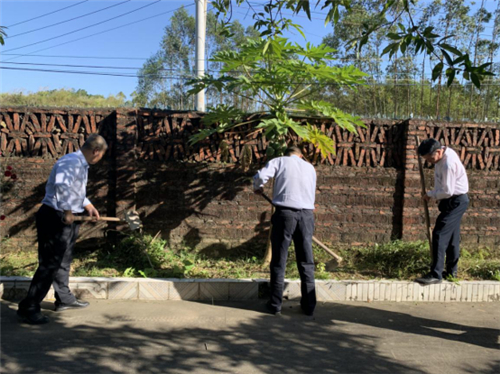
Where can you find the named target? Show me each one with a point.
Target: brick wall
(200, 195)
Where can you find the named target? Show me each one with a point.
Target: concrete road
(239, 337)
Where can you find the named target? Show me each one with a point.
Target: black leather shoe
(307, 312)
(77, 304)
(428, 280)
(33, 318)
(270, 308)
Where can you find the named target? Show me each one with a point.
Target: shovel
(131, 218)
(428, 232)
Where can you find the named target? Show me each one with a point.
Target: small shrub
(395, 260)
(488, 270)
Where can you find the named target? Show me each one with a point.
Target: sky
(118, 36)
(133, 43)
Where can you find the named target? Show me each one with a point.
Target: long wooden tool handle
(316, 240)
(112, 219)
(328, 250)
(426, 206)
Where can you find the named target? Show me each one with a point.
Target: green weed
(150, 257)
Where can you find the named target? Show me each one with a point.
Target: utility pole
(201, 21)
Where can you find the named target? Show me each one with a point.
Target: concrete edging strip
(252, 289)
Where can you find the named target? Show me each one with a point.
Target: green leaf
(394, 36)
(476, 80)
(450, 73)
(299, 129)
(447, 57)
(450, 48)
(436, 72)
(320, 140)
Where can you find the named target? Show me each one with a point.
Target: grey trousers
(296, 225)
(55, 253)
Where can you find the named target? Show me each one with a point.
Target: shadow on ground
(207, 338)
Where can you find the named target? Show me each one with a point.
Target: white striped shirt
(66, 188)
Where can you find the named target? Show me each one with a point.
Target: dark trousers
(296, 225)
(446, 235)
(55, 253)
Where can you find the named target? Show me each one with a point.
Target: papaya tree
(280, 77)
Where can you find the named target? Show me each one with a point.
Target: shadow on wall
(114, 341)
(207, 206)
(99, 188)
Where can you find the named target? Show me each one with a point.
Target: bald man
(65, 197)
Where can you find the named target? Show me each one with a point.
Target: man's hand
(68, 217)
(426, 197)
(92, 211)
(258, 191)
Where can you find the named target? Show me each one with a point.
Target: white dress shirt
(294, 182)
(450, 177)
(67, 184)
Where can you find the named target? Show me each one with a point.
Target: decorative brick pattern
(369, 192)
(53, 133)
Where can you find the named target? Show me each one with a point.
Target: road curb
(249, 289)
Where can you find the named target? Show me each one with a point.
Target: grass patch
(147, 256)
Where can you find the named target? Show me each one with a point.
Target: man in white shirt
(293, 197)
(65, 196)
(450, 190)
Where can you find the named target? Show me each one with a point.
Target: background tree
(440, 60)
(162, 79)
(63, 98)
(281, 78)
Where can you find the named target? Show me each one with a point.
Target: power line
(83, 66)
(78, 57)
(88, 72)
(83, 28)
(262, 82)
(72, 19)
(75, 66)
(104, 31)
(341, 59)
(415, 76)
(46, 14)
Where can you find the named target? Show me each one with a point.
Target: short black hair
(293, 150)
(428, 146)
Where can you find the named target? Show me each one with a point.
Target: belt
(55, 210)
(289, 208)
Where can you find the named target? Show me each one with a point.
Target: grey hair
(293, 150)
(95, 141)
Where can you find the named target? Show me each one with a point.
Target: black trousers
(55, 253)
(296, 225)
(446, 235)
